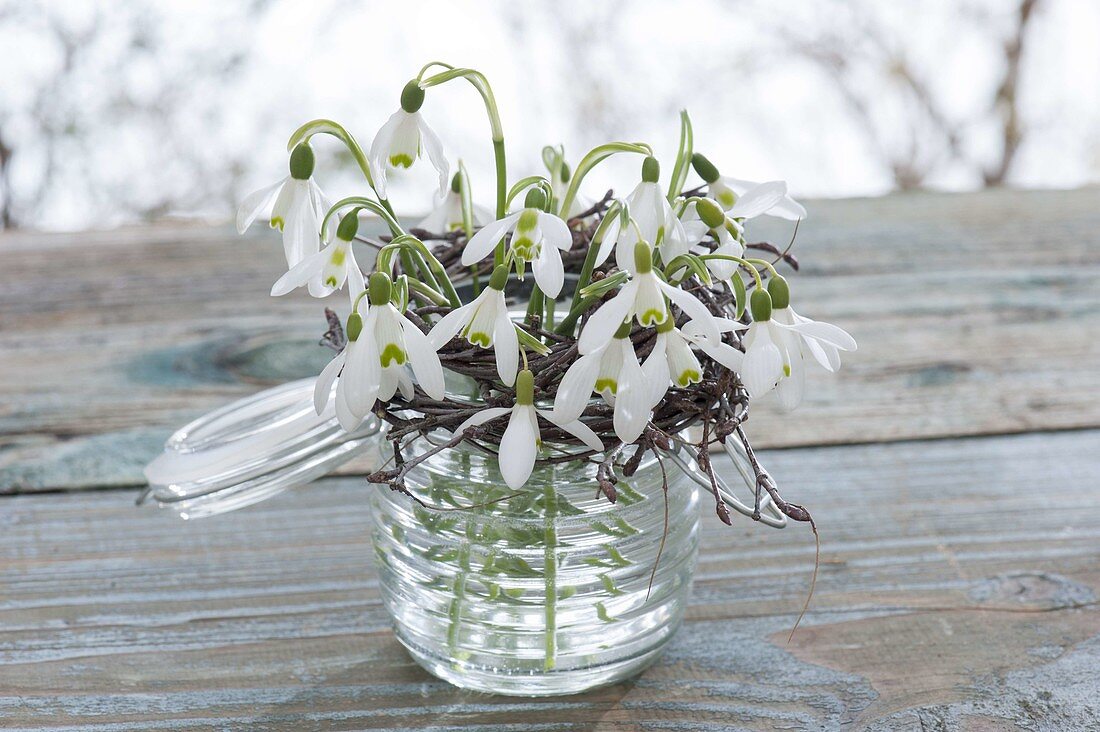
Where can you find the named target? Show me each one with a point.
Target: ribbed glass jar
(541, 593)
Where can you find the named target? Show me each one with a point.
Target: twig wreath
(667, 325)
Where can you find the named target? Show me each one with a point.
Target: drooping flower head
(382, 347)
(537, 237)
(727, 191)
(655, 222)
(326, 271)
(484, 322)
(447, 214)
(642, 298)
(298, 210)
(522, 438)
(402, 139)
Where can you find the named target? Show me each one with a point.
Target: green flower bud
(780, 292)
(456, 183)
(760, 304)
(624, 330)
(704, 168)
(412, 97)
(499, 278)
(564, 172)
(355, 326)
(535, 199)
(301, 162)
(525, 387)
(643, 258)
(711, 213)
(651, 170)
(349, 225)
(381, 288)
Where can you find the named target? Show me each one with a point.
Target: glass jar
(547, 590)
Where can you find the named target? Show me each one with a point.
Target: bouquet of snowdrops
(647, 319)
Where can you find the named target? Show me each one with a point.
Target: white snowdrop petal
(362, 372)
(763, 365)
(555, 232)
(607, 245)
(482, 417)
(549, 270)
(423, 359)
(348, 420)
(322, 390)
(789, 389)
(254, 203)
(506, 344)
(434, 147)
(656, 370)
(451, 323)
(692, 308)
(603, 323)
(575, 388)
(578, 429)
(632, 407)
(485, 240)
(519, 446)
(758, 200)
(826, 333)
(301, 273)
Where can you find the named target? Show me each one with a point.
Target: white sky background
(570, 72)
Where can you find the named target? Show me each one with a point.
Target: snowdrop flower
(774, 349)
(537, 237)
(655, 219)
(727, 191)
(798, 335)
(372, 366)
(327, 270)
(612, 371)
(643, 298)
(298, 210)
(672, 358)
(520, 443)
(447, 214)
(400, 141)
(704, 216)
(484, 322)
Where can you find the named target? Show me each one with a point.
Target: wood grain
(976, 314)
(958, 591)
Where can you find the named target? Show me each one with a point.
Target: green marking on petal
(528, 219)
(337, 258)
(401, 160)
(727, 199)
(786, 369)
(330, 281)
(277, 222)
(607, 385)
(479, 339)
(651, 317)
(393, 353)
(689, 376)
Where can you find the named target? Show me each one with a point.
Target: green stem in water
(550, 559)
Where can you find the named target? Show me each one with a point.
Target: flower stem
(328, 127)
(594, 157)
(550, 571)
(482, 85)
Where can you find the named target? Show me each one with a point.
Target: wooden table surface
(953, 466)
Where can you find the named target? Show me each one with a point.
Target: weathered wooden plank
(976, 314)
(957, 591)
